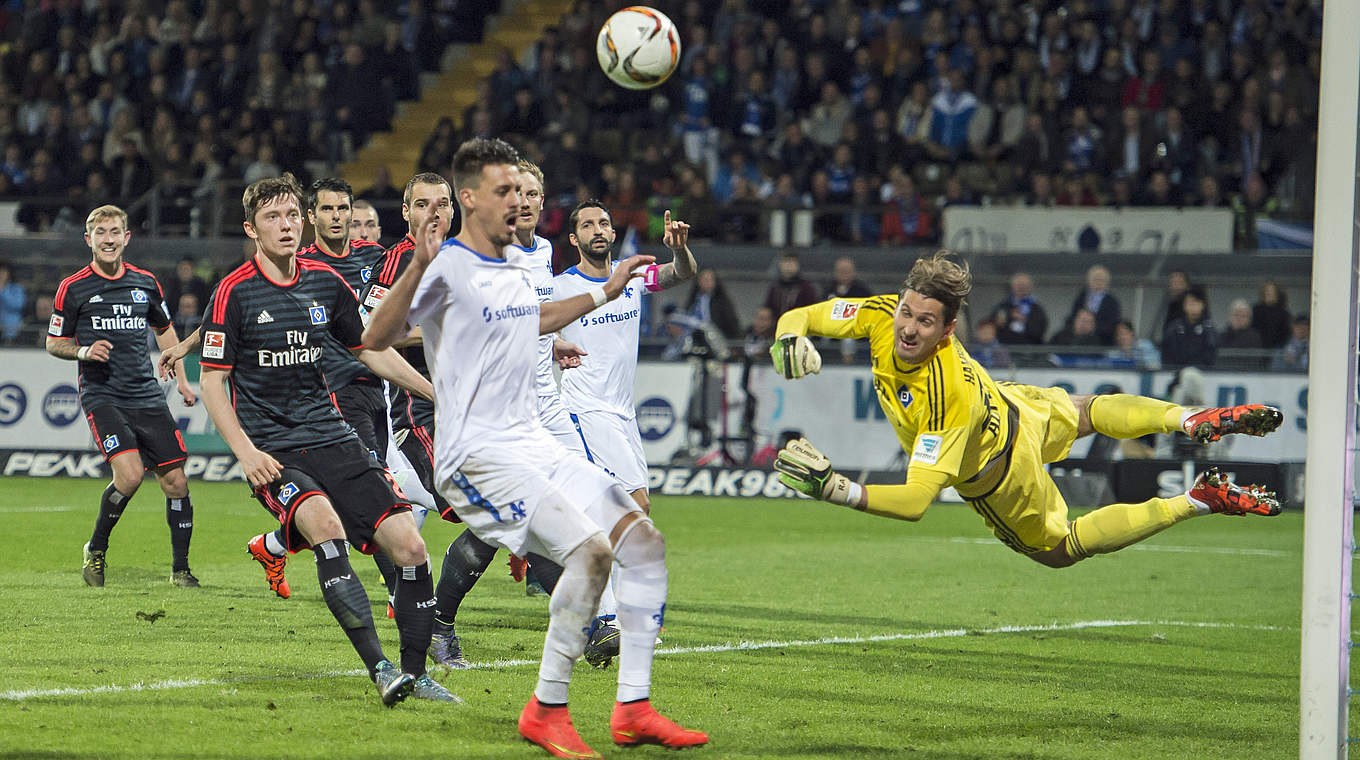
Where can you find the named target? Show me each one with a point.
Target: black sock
(348, 601)
(111, 506)
(414, 605)
(388, 571)
(464, 562)
(179, 513)
(545, 570)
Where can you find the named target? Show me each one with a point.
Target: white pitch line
(16, 510)
(742, 646)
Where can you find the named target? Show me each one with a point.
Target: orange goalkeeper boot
(273, 566)
(1209, 425)
(1225, 498)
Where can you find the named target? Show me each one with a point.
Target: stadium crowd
(872, 115)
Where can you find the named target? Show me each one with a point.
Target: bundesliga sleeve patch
(54, 325)
(927, 449)
(375, 296)
(214, 343)
(844, 310)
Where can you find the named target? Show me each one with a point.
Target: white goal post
(1324, 664)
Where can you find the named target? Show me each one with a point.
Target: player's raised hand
(794, 357)
(623, 272)
(428, 227)
(99, 351)
(567, 354)
(260, 468)
(677, 233)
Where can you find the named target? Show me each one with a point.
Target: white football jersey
(540, 258)
(609, 336)
(479, 317)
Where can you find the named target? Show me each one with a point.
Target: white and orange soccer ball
(638, 47)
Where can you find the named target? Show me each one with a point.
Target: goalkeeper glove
(806, 470)
(795, 356)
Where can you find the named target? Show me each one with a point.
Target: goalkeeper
(991, 440)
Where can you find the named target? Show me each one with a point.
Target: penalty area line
(18, 695)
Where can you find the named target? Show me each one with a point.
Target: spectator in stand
(43, 306)
(1190, 339)
(1270, 315)
(1177, 282)
(950, 112)
(1239, 333)
(844, 282)
(1132, 146)
(907, 219)
(1210, 195)
(1080, 332)
(186, 280)
(709, 304)
(1249, 206)
(1159, 192)
(1097, 299)
(1129, 348)
(791, 290)
(13, 299)
(1144, 91)
(985, 348)
(1019, 318)
(1293, 355)
(188, 313)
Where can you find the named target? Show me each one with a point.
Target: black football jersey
(356, 268)
(408, 411)
(274, 337)
(89, 307)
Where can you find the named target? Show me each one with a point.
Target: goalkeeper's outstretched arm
(806, 470)
(793, 354)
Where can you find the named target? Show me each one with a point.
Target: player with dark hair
(356, 392)
(990, 440)
(99, 319)
(468, 557)
(598, 395)
(364, 224)
(505, 475)
(266, 334)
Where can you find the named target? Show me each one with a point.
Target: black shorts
(151, 431)
(362, 492)
(418, 446)
(365, 409)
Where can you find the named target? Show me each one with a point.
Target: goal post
(1324, 663)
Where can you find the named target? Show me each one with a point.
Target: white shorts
(555, 418)
(406, 476)
(534, 496)
(614, 443)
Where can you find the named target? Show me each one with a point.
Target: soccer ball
(638, 47)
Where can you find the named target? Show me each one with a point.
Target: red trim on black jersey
(153, 277)
(122, 270)
(210, 365)
(388, 276)
(223, 293)
(66, 283)
(297, 272)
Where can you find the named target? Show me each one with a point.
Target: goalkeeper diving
(991, 440)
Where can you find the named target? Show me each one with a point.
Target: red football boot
(635, 723)
(551, 729)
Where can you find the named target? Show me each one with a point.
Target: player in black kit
(100, 317)
(265, 333)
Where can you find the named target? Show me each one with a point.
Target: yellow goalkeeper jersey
(947, 412)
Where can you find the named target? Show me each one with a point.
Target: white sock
(609, 605)
(272, 545)
(642, 608)
(569, 613)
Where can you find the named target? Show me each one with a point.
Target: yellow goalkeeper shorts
(1019, 501)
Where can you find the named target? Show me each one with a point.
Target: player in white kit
(599, 393)
(503, 473)
(468, 557)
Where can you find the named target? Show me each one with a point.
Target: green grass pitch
(793, 630)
